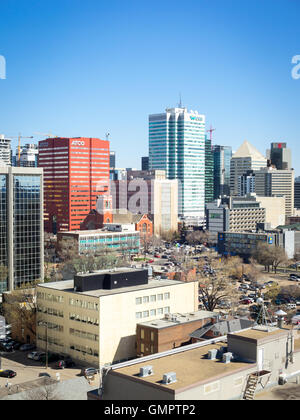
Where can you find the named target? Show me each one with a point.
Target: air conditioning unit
(169, 378)
(227, 357)
(212, 354)
(146, 371)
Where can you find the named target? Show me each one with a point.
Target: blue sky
(85, 67)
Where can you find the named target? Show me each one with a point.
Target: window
(160, 296)
(142, 334)
(138, 315)
(153, 312)
(138, 301)
(146, 299)
(142, 347)
(152, 336)
(145, 314)
(167, 310)
(167, 295)
(153, 298)
(160, 311)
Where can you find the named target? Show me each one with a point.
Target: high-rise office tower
(112, 160)
(246, 158)
(28, 156)
(145, 163)
(270, 182)
(247, 183)
(209, 171)
(297, 192)
(21, 226)
(76, 172)
(5, 150)
(280, 156)
(222, 156)
(177, 145)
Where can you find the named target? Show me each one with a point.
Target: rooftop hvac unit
(146, 371)
(169, 378)
(212, 354)
(227, 357)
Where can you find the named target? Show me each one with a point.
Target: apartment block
(93, 318)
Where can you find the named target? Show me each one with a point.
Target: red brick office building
(76, 172)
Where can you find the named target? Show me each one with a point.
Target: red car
(246, 301)
(151, 261)
(156, 256)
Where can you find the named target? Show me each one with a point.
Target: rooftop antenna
(263, 317)
(107, 136)
(180, 100)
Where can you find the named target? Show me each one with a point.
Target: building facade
(270, 182)
(149, 192)
(209, 171)
(297, 193)
(246, 158)
(281, 156)
(177, 146)
(76, 173)
(104, 240)
(145, 163)
(28, 156)
(93, 318)
(5, 151)
(21, 226)
(222, 157)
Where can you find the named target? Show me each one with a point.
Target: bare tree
(215, 283)
(19, 308)
(197, 237)
(46, 392)
(270, 255)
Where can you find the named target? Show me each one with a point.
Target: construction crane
(211, 130)
(49, 135)
(19, 137)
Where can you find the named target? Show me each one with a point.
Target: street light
(45, 324)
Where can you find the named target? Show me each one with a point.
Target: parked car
(32, 355)
(247, 301)
(38, 356)
(7, 373)
(52, 357)
(89, 372)
(6, 347)
(291, 306)
(27, 347)
(66, 362)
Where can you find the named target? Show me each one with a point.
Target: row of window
(152, 298)
(49, 297)
(84, 350)
(84, 334)
(84, 304)
(152, 312)
(84, 319)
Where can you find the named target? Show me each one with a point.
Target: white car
(32, 355)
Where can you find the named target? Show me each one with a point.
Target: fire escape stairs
(251, 387)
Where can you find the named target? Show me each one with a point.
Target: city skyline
(235, 68)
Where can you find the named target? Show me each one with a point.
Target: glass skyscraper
(209, 171)
(21, 226)
(222, 157)
(177, 145)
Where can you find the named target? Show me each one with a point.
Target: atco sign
(78, 143)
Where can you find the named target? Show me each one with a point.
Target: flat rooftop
(191, 367)
(96, 232)
(262, 333)
(68, 286)
(177, 319)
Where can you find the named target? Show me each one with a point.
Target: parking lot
(29, 370)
